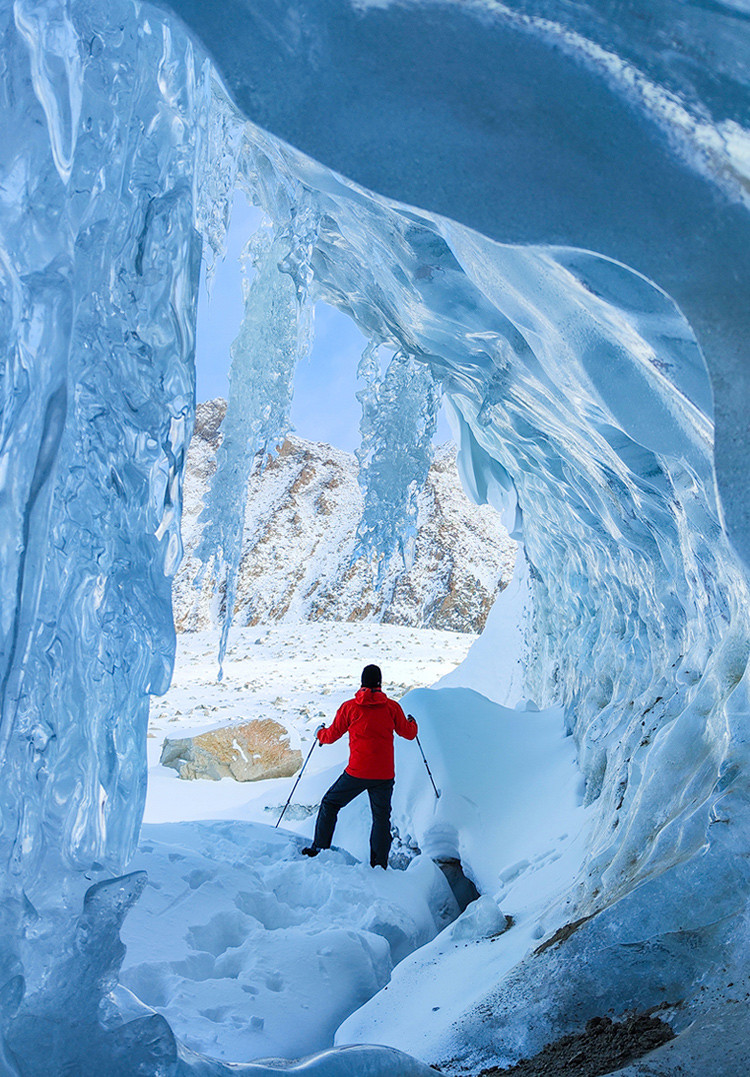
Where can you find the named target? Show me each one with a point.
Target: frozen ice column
(101, 139)
(275, 332)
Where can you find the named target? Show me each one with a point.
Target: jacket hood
(370, 697)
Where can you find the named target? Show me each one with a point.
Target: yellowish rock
(247, 752)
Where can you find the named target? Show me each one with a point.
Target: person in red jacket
(370, 719)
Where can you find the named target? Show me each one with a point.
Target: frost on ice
(582, 404)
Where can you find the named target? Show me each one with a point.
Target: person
(370, 719)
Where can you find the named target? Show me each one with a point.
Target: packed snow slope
(585, 339)
(244, 946)
(250, 951)
(298, 560)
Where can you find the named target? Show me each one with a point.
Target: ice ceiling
(607, 255)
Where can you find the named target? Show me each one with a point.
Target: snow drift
(571, 353)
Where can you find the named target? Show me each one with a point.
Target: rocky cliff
(301, 519)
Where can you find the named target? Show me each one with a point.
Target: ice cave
(541, 207)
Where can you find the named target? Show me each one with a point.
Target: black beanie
(371, 677)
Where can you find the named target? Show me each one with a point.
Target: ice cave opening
(585, 325)
(400, 539)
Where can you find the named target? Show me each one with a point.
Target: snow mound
(250, 950)
(520, 829)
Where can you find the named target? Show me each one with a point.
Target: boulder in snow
(248, 752)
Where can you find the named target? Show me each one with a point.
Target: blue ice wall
(101, 131)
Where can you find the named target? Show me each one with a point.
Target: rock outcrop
(248, 752)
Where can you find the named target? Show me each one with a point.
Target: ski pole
(437, 791)
(315, 741)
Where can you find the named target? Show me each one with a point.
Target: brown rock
(248, 753)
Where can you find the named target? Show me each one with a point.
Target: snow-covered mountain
(301, 521)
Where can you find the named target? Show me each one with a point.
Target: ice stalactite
(275, 333)
(399, 417)
(399, 409)
(223, 139)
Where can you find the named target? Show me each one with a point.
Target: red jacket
(371, 719)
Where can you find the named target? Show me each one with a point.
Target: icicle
(225, 131)
(275, 332)
(399, 417)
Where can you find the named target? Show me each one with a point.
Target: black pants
(344, 790)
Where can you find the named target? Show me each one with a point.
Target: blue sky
(324, 407)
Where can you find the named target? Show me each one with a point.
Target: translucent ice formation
(572, 354)
(611, 128)
(399, 417)
(101, 131)
(274, 334)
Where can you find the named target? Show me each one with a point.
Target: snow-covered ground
(298, 675)
(251, 950)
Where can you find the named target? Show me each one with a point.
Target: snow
(493, 816)
(494, 665)
(236, 932)
(251, 950)
(520, 829)
(297, 675)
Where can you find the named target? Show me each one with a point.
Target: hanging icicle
(399, 417)
(276, 331)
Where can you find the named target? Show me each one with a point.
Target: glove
(318, 731)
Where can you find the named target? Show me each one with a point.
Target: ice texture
(399, 418)
(589, 125)
(590, 336)
(274, 335)
(101, 136)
